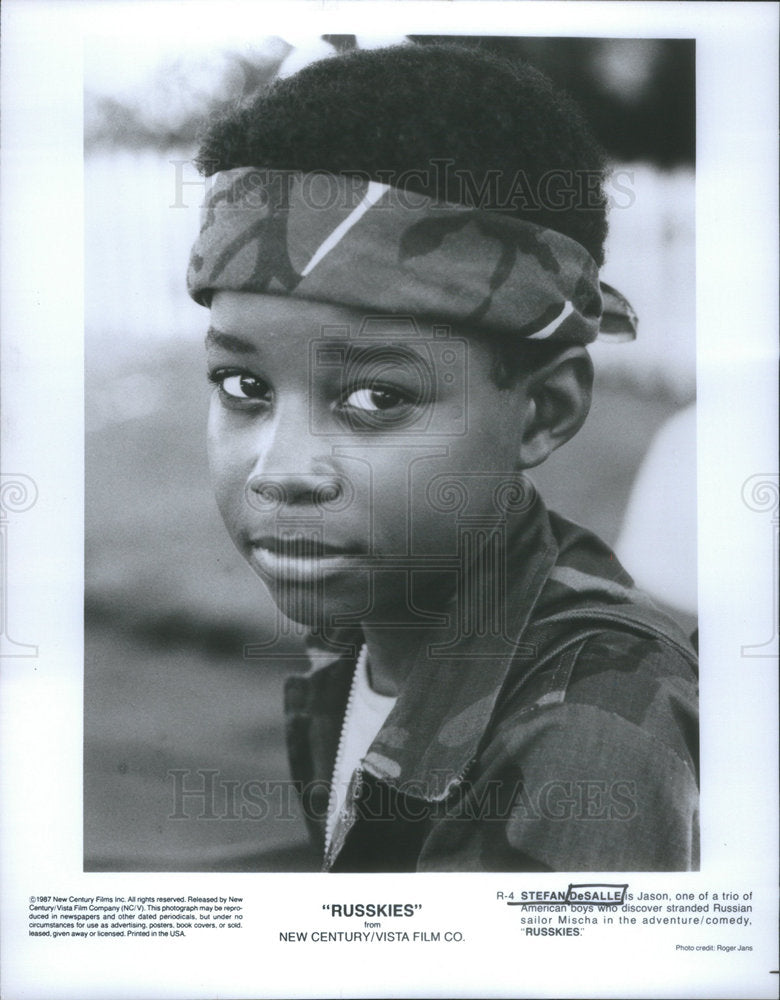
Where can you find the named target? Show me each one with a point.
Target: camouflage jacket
(561, 735)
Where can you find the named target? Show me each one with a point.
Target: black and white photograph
(411, 501)
(398, 267)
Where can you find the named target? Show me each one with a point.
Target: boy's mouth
(300, 559)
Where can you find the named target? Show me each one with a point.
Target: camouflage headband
(369, 246)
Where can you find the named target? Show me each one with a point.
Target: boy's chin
(355, 599)
(321, 607)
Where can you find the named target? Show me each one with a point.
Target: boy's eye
(380, 408)
(241, 386)
(374, 400)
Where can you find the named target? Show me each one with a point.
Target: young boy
(400, 251)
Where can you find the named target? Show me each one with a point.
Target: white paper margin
(42, 322)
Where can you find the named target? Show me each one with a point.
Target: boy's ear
(557, 397)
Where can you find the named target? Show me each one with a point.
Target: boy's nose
(269, 491)
(294, 468)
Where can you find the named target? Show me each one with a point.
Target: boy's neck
(391, 653)
(394, 647)
(396, 643)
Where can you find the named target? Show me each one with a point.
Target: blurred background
(169, 605)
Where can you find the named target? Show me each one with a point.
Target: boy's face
(345, 452)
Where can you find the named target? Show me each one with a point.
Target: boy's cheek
(213, 441)
(230, 511)
(228, 486)
(228, 457)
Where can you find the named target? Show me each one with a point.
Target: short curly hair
(450, 122)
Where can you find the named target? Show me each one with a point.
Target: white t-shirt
(364, 716)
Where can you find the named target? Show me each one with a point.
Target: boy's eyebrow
(229, 341)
